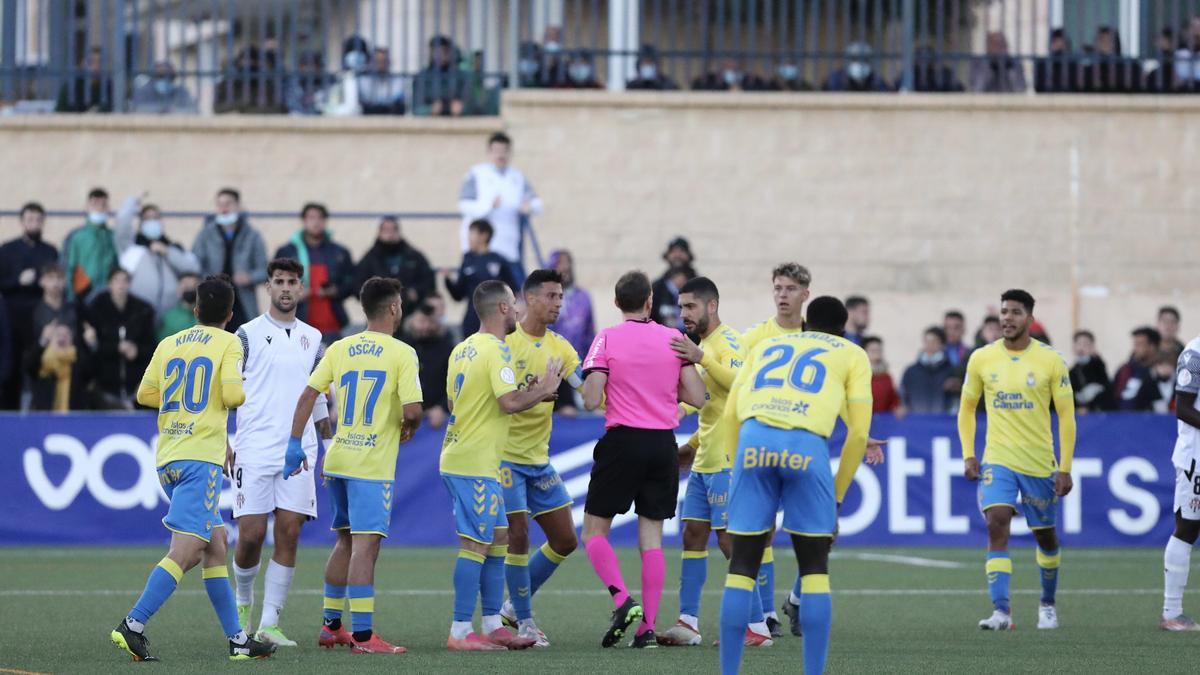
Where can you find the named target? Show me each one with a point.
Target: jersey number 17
(349, 387)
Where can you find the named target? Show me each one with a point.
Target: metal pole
(908, 17)
(118, 57)
(8, 55)
(513, 48)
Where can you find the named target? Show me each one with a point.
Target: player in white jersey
(1178, 556)
(279, 353)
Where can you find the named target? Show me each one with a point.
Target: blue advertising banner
(90, 479)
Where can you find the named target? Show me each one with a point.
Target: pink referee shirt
(643, 374)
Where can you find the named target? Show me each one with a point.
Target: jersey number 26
(807, 374)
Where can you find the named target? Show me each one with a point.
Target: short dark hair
(954, 314)
(487, 297)
(482, 226)
(377, 293)
(285, 265)
(701, 287)
(871, 339)
(32, 206)
(97, 193)
(536, 278)
(214, 300)
(320, 208)
(1149, 333)
(855, 301)
(499, 137)
(237, 196)
(52, 268)
(117, 269)
(937, 331)
(148, 207)
(826, 314)
(1018, 295)
(991, 318)
(632, 291)
(1083, 334)
(1168, 309)
(188, 275)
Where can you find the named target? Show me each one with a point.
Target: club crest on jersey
(995, 378)
(1031, 380)
(521, 364)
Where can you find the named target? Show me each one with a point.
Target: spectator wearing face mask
(182, 316)
(228, 244)
(923, 387)
(529, 65)
(1089, 375)
(997, 72)
(379, 90)
(433, 344)
(329, 272)
(344, 97)
(731, 77)
(580, 73)
(162, 95)
(554, 61)
(649, 75)
(392, 257)
(1187, 58)
(787, 78)
(858, 73)
(153, 261)
(438, 88)
(89, 252)
(125, 342)
(1134, 387)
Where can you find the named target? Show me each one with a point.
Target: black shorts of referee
(634, 467)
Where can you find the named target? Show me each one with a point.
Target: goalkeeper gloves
(293, 458)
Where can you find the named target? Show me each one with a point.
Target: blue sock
(362, 607)
(516, 573)
(1049, 561)
(468, 571)
(735, 607)
(766, 580)
(999, 571)
(159, 586)
(692, 575)
(335, 602)
(797, 590)
(756, 607)
(491, 582)
(220, 594)
(816, 618)
(541, 565)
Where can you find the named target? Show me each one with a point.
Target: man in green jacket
(89, 252)
(182, 316)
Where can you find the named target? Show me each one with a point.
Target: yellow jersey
(1017, 389)
(376, 375)
(763, 330)
(481, 371)
(718, 368)
(194, 378)
(529, 431)
(801, 380)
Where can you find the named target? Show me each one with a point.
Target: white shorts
(261, 490)
(1187, 493)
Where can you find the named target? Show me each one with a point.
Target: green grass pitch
(891, 614)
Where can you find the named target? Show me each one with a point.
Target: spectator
(787, 77)
(1089, 375)
(553, 65)
(89, 252)
(56, 363)
(249, 86)
(480, 97)
(305, 92)
(329, 273)
(580, 72)
(665, 291)
(1110, 72)
(884, 397)
(989, 331)
(90, 89)
(499, 193)
(479, 264)
(21, 260)
(183, 315)
(859, 74)
(997, 72)
(125, 342)
(438, 88)
(52, 308)
(859, 309)
(529, 65)
(731, 77)
(153, 261)
(1134, 387)
(161, 95)
(923, 388)
(1164, 381)
(343, 96)
(433, 344)
(1187, 58)
(394, 258)
(649, 73)
(1060, 70)
(955, 327)
(575, 321)
(228, 244)
(1168, 328)
(1162, 78)
(929, 74)
(379, 91)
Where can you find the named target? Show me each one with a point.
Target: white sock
(792, 598)
(135, 625)
(1176, 561)
(507, 609)
(245, 583)
(275, 589)
(526, 623)
(771, 615)
(460, 629)
(240, 638)
(760, 627)
(691, 621)
(491, 624)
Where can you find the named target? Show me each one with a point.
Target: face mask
(732, 77)
(931, 359)
(189, 297)
(648, 72)
(580, 72)
(152, 229)
(226, 218)
(163, 87)
(97, 217)
(527, 67)
(788, 72)
(858, 71)
(552, 48)
(354, 60)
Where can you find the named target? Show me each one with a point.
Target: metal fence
(452, 57)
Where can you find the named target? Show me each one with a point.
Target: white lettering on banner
(945, 469)
(57, 498)
(145, 491)
(1072, 504)
(1118, 484)
(899, 468)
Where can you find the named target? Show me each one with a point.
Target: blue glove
(293, 458)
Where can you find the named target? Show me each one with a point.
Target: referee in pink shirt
(633, 370)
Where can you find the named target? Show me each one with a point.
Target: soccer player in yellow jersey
(378, 392)
(193, 379)
(484, 394)
(1018, 378)
(787, 398)
(532, 487)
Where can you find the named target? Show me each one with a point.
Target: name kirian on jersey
(193, 336)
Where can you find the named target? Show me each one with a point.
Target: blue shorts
(478, 506)
(194, 489)
(707, 498)
(533, 488)
(359, 505)
(786, 468)
(1000, 485)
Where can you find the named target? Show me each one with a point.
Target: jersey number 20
(807, 373)
(349, 386)
(180, 373)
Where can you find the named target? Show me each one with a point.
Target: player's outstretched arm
(544, 388)
(858, 426)
(691, 388)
